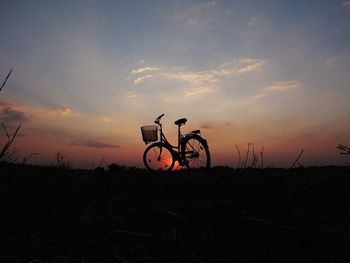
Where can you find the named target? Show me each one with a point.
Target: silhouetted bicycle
(191, 151)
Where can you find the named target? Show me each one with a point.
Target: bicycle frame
(177, 150)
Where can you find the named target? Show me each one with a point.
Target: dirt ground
(217, 215)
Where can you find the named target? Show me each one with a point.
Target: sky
(88, 74)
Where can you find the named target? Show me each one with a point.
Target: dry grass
(220, 215)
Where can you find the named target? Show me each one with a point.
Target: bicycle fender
(205, 142)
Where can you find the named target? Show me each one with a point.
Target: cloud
(140, 79)
(199, 81)
(10, 115)
(250, 65)
(346, 3)
(144, 69)
(258, 96)
(106, 119)
(131, 95)
(62, 111)
(215, 125)
(283, 85)
(196, 91)
(97, 145)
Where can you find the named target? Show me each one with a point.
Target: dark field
(220, 215)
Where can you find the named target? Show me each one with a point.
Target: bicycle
(192, 149)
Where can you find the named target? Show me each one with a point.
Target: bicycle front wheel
(158, 157)
(195, 151)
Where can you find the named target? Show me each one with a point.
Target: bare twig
(7, 134)
(60, 162)
(262, 157)
(27, 158)
(246, 157)
(102, 161)
(239, 157)
(8, 75)
(255, 158)
(5, 150)
(301, 152)
(11, 156)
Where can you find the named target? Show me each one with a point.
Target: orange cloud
(143, 69)
(9, 113)
(62, 111)
(283, 85)
(250, 65)
(199, 81)
(97, 145)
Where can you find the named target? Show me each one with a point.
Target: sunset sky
(88, 74)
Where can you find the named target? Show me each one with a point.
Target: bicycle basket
(149, 133)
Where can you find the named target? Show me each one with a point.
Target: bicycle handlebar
(158, 119)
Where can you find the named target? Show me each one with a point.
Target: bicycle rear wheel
(159, 157)
(196, 153)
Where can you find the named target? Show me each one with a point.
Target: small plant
(262, 157)
(99, 169)
(297, 159)
(7, 77)
(239, 157)
(343, 148)
(28, 157)
(255, 157)
(6, 153)
(60, 162)
(244, 165)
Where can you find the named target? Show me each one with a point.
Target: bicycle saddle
(181, 121)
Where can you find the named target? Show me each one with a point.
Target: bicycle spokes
(196, 154)
(163, 160)
(159, 158)
(160, 154)
(193, 148)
